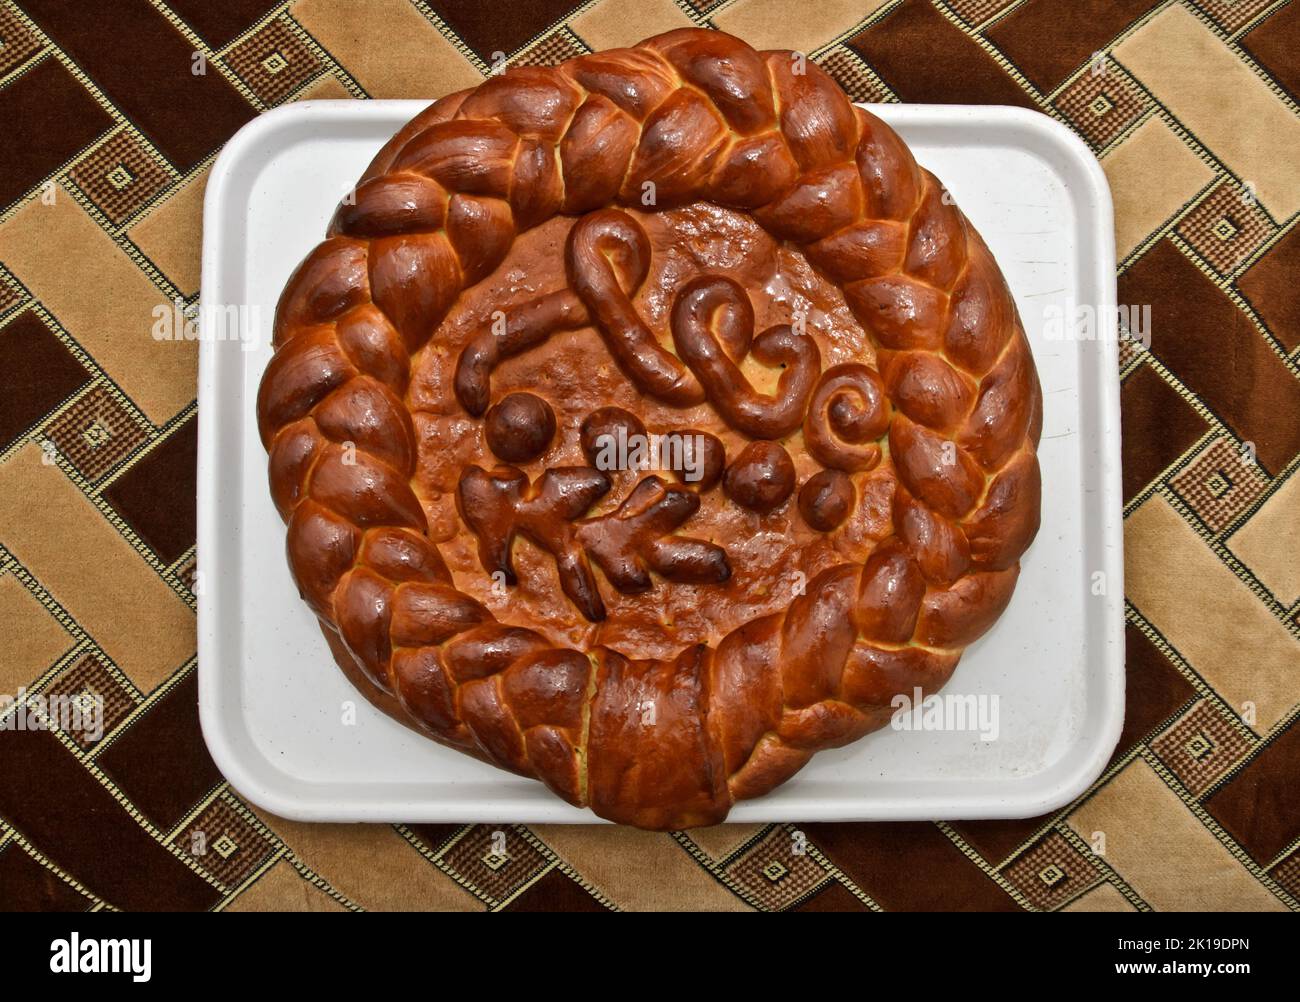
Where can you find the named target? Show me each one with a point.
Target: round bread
(572, 258)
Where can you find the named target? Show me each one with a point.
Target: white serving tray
(272, 700)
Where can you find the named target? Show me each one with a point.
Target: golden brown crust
(950, 408)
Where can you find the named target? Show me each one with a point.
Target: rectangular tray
(272, 700)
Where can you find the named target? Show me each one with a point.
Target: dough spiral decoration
(668, 743)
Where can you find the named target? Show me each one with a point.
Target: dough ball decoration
(704, 459)
(761, 478)
(519, 427)
(826, 499)
(604, 430)
(949, 412)
(608, 434)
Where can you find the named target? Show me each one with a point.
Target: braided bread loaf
(542, 233)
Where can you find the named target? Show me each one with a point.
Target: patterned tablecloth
(110, 117)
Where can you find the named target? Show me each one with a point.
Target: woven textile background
(106, 138)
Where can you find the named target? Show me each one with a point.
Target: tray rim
(1054, 137)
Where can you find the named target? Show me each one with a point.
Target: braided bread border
(701, 115)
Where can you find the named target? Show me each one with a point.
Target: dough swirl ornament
(501, 294)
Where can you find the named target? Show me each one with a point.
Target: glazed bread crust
(953, 402)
